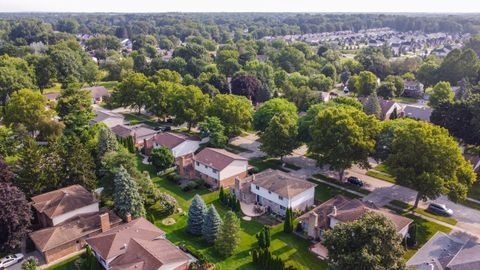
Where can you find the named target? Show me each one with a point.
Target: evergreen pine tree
(79, 166)
(288, 224)
(372, 106)
(107, 142)
(264, 237)
(130, 144)
(221, 195)
(211, 225)
(228, 236)
(90, 262)
(126, 197)
(196, 215)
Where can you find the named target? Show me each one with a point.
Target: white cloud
(240, 6)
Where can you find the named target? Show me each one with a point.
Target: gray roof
(420, 113)
(281, 183)
(98, 91)
(446, 252)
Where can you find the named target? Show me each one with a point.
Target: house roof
(468, 258)
(102, 115)
(140, 130)
(352, 209)
(52, 95)
(421, 113)
(411, 84)
(122, 131)
(281, 183)
(70, 230)
(112, 243)
(61, 201)
(385, 105)
(439, 251)
(98, 91)
(149, 255)
(170, 139)
(216, 158)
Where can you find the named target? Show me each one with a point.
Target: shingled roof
(170, 139)
(113, 242)
(64, 200)
(280, 183)
(216, 158)
(70, 230)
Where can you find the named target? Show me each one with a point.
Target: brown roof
(112, 243)
(52, 95)
(170, 139)
(281, 183)
(351, 210)
(217, 158)
(149, 255)
(122, 131)
(64, 200)
(70, 230)
(98, 91)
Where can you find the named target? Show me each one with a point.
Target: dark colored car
(440, 209)
(355, 181)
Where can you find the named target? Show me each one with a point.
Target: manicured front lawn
(421, 211)
(261, 164)
(134, 120)
(405, 100)
(324, 192)
(110, 85)
(381, 176)
(343, 184)
(289, 247)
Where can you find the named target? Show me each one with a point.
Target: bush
(200, 183)
(175, 178)
(167, 204)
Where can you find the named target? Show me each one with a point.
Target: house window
(214, 171)
(198, 163)
(280, 198)
(281, 207)
(257, 187)
(269, 192)
(205, 166)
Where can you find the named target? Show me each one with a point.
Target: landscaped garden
(289, 247)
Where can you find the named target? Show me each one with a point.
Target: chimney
(181, 166)
(128, 218)
(312, 224)
(105, 222)
(237, 187)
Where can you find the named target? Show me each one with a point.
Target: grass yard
(405, 100)
(143, 119)
(68, 264)
(421, 211)
(55, 88)
(474, 191)
(110, 85)
(382, 176)
(344, 184)
(324, 192)
(289, 247)
(381, 168)
(261, 164)
(236, 149)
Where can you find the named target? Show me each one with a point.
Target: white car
(10, 260)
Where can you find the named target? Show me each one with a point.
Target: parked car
(440, 209)
(10, 260)
(355, 181)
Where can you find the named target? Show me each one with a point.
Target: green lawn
(381, 176)
(110, 85)
(343, 184)
(474, 191)
(324, 192)
(406, 100)
(55, 88)
(236, 149)
(135, 119)
(291, 248)
(65, 265)
(421, 211)
(381, 168)
(261, 164)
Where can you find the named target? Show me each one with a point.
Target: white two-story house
(219, 167)
(276, 191)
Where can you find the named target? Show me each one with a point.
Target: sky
(128, 6)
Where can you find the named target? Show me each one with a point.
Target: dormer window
(280, 198)
(257, 187)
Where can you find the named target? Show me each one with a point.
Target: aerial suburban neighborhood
(263, 135)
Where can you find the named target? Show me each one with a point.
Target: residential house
(341, 209)
(126, 44)
(139, 133)
(98, 93)
(387, 107)
(441, 52)
(137, 244)
(275, 191)
(179, 144)
(110, 119)
(413, 89)
(52, 96)
(68, 216)
(219, 167)
(446, 252)
(419, 113)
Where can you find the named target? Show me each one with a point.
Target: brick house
(219, 167)
(137, 244)
(68, 216)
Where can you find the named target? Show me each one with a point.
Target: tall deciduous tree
(247, 86)
(214, 129)
(127, 199)
(235, 113)
(107, 142)
(342, 136)
(372, 106)
(162, 158)
(269, 109)
(211, 225)
(188, 104)
(280, 137)
(366, 83)
(371, 242)
(425, 158)
(78, 164)
(196, 215)
(131, 92)
(74, 108)
(441, 93)
(228, 237)
(15, 216)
